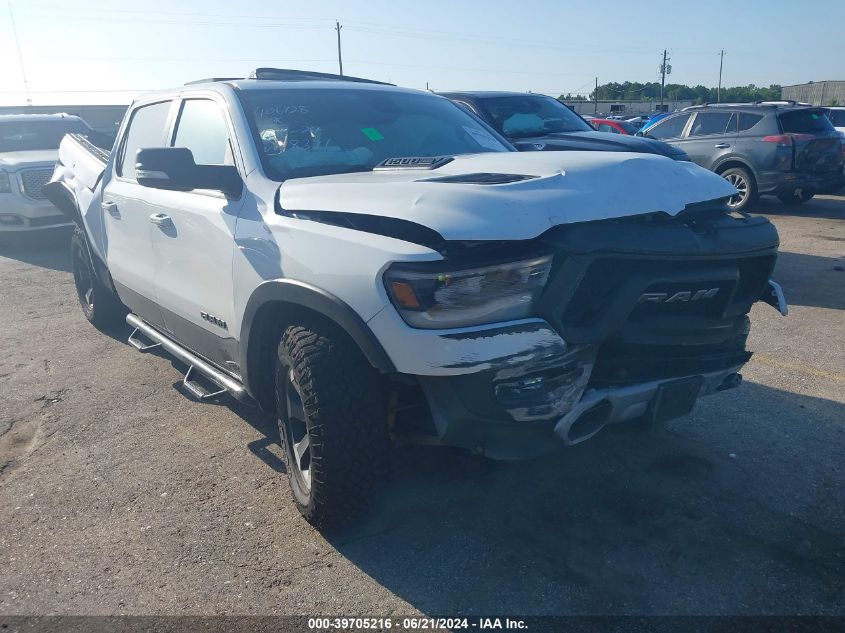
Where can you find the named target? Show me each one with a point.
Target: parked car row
(784, 149)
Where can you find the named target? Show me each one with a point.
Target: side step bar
(226, 383)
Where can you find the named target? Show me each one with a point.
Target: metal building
(819, 93)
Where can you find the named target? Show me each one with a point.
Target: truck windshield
(312, 132)
(18, 136)
(522, 116)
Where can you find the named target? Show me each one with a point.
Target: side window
(146, 129)
(672, 127)
(202, 129)
(748, 121)
(709, 123)
(604, 127)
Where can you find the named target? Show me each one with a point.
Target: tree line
(636, 91)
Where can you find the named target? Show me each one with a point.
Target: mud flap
(773, 295)
(673, 399)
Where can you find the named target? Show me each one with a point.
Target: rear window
(806, 121)
(837, 117)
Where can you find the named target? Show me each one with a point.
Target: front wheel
(332, 414)
(745, 186)
(99, 304)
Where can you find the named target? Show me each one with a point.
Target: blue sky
(70, 48)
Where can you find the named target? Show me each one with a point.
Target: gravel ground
(118, 494)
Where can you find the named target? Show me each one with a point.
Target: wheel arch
(64, 199)
(731, 162)
(273, 303)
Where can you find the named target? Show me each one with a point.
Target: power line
(20, 55)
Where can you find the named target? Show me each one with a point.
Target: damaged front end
(634, 318)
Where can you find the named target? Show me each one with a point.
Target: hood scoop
(482, 178)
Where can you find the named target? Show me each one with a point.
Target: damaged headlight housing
(430, 296)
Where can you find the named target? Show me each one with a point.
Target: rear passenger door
(194, 246)
(127, 208)
(711, 137)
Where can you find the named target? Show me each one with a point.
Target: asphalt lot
(118, 494)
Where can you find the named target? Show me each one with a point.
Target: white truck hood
(13, 161)
(566, 187)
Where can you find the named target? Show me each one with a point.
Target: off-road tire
(793, 199)
(345, 409)
(741, 177)
(99, 304)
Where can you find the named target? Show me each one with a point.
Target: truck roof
(279, 79)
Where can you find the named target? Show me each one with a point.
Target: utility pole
(596, 98)
(719, 89)
(337, 28)
(20, 55)
(665, 69)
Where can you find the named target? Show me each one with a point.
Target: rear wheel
(332, 415)
(746, 188)
(799, 196)
(99, 304)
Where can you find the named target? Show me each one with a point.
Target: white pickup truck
(376, 265)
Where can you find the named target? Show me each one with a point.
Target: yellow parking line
(775, 362)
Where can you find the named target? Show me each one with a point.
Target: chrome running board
(226, 383)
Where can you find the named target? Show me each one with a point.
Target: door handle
(111, 209)
(723, 145)
(160, 219)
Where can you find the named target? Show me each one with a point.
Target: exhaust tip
(589, 423)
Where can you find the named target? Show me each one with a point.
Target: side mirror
(174, 169)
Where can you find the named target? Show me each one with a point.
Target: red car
(614, 126)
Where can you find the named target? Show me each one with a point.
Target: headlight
(430, 296)
(5, 186)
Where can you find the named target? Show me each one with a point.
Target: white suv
(374, 265)
(29, 148)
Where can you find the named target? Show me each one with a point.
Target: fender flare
(64, 199)
(297, 293)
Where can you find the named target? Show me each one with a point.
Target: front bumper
(21, 214)
(459, 422)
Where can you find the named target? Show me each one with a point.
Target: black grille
(33, 181)
(740, 282)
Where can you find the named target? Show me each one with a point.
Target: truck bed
(85, 157)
